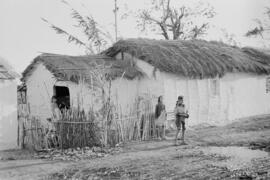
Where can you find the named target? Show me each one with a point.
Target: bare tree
(94, 38)
(263, 26)
(176, 23)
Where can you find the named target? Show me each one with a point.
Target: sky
(23, 35)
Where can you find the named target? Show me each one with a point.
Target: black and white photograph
(134, 89)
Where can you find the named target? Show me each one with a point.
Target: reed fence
(77, 129)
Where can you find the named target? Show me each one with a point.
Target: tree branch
(197, 31)
(70, 37)
(175, 21)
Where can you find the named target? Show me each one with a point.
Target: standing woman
(160, 116)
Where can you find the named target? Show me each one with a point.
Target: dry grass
(194, 58)
(138, 124)
(73, 68)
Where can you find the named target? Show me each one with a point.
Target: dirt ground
(237, 151)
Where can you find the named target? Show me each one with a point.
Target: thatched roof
(6, 70)
(4, 74)
(194, 58)
(72, 68)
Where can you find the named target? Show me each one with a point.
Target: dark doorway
(62, 97)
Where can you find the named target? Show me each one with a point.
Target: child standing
(180, 115)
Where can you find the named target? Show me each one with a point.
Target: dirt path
(182, 162)
(30, 169)
(211, 153)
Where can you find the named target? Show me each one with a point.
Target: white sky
(23, 35)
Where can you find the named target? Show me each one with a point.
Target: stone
(96, 149)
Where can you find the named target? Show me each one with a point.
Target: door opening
(62, 97)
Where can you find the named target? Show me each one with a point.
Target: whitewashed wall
(8, 114)
(239, 94)
(39, 92)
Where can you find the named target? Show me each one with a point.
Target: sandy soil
(236, 151)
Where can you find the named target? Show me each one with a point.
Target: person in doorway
(180, 115)
(56, 113)
(160, 116)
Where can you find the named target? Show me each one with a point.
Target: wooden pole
(115, 18)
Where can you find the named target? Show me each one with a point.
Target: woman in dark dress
(160, 108)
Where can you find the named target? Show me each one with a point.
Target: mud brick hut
(8, 106)
(219, 82)
(73, 81)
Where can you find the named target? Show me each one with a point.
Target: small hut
(73, 80)
(79, 84)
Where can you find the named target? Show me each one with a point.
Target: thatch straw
(194, 58)
(73, 68)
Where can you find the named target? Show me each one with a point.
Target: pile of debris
(265, 145)
(77, 153)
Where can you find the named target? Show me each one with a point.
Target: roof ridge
(194, 58)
